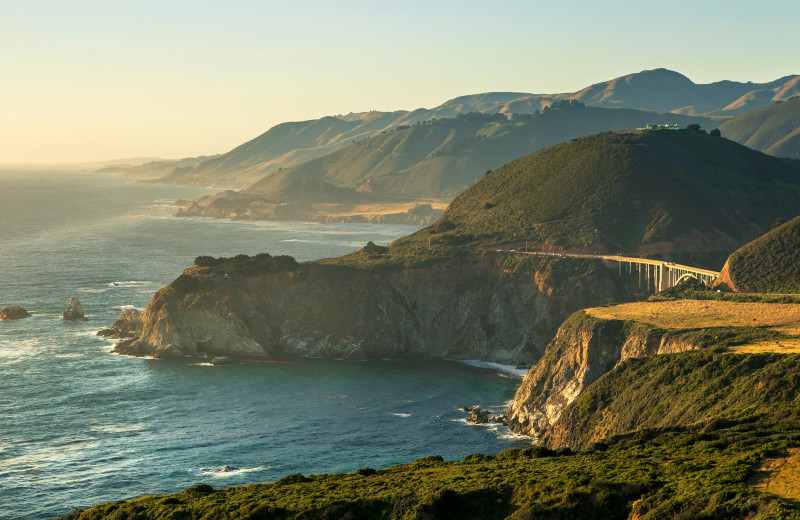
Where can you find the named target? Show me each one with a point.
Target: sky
(95, 80)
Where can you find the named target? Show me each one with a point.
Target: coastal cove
(79, 425)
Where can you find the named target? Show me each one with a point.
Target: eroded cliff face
(584, 349)
(724, 281)
(475, 307)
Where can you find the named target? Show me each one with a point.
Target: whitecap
(127, 283)
(127, 307)
(399, 414)
(506, 369)
(508, 435)
(118, 428)
(223, 472)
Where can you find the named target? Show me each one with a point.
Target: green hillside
(441, 158)
(643, 192)
(681, 389)
(770, 263)
(774, 129)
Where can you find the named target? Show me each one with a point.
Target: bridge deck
(660, 264)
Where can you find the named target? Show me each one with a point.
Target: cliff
(491, 307)
(680, 390)
(583, 349)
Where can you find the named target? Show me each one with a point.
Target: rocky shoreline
(236, 206)
(477, 307)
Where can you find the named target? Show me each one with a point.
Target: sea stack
(74, 311)
(14, 312)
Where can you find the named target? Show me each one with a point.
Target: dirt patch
(779, 476)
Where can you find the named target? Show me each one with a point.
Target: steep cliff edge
(707, 386)
(593, 344)
(476, 306)
(583, 350)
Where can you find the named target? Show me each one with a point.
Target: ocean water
(79, 425)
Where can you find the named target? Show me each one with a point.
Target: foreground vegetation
(699, 471)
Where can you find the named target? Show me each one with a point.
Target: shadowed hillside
(435, 159)
(291, 144)
(642, 192)
(774, 129)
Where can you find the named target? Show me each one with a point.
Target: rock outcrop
(583, 350)
(128, 325)
(474, 307)
(724, 281)
(13, 312)
(74, 311)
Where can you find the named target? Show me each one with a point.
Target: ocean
(80, 426)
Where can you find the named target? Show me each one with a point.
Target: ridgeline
(683, 195)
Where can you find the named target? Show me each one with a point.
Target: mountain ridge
(269, 152)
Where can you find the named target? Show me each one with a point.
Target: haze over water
(79, 425)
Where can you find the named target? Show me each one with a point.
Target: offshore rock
(74, 311)
(478, 416)
(13, 312)
(584, 349)
(489, 307)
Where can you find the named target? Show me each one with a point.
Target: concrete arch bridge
(657, 274)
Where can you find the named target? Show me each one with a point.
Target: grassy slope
(770, 263)
(443, 158)
(680, 389)
(282, 146)
(633, 188)
(774, 129)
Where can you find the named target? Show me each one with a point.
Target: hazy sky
(102, 79)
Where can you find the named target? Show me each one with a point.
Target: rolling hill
(290, 144)
(774, 129)
(662, 89)
(770, 263)
(658, 192)
(432, 160)
(442, 158)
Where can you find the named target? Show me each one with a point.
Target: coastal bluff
(486, 306)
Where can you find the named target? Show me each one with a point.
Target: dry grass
(696, 314)
(779, 476)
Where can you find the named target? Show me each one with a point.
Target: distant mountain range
(443, 157)
(291, 144)
(431, 160)
(774, 129)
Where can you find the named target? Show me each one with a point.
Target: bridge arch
(686, 276)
